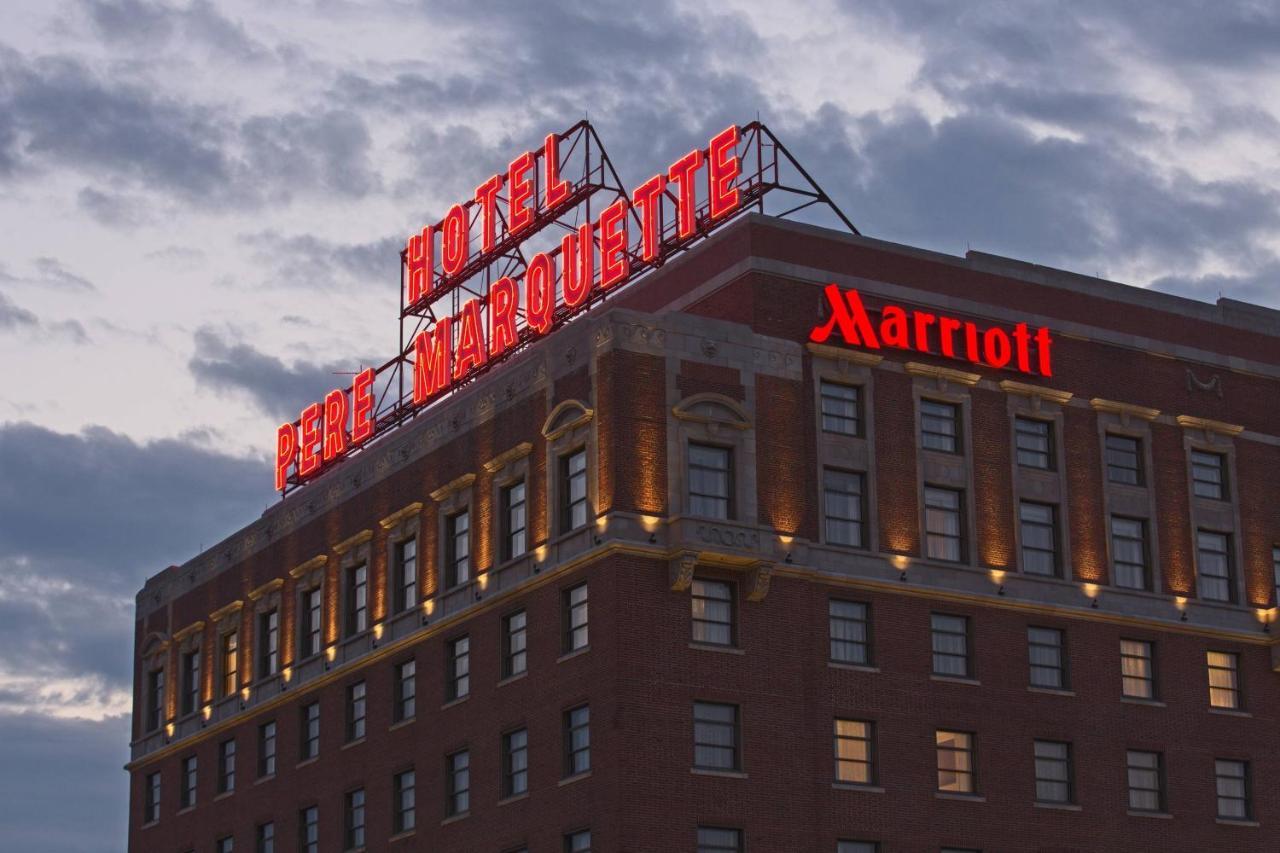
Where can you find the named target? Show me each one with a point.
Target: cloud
(14, 317)
(305, 260)
(137, 23)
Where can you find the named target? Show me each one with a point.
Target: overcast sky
(202, 203)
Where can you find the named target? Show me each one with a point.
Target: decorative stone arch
(714, 411)
(566, 429)
(155, 650)
(713, 419)
(566, 417)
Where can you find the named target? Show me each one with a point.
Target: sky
(202, 206)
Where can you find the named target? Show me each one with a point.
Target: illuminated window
(514, 643)
(151, 803)
(1232, 782)
(515, 763)
(406, 691)
(857, 847)
(357, 600)
(458, 783)
(1146, 781)
(266, 837)
(309, 732)
(955, 762)
(458, 665)
(843, 508)
(355, 711)
(227, 766)
(573, 605)
(1209, 475)
(1224, 679)
(578, 842)
(457, 548)
(187, 795)
(717, 839)
(514, 521)
(1054, 773)
(848, 626)
(1275, 572)
(1033, 441)
(155, 698)
(406, 575)
(712, 612)
(710, 481)
(230, 663)
(841, 408)
(190, 682)
(944, 524)
(267, 749)
(1124, 460)
(1045, 648)
(1129, 553)
(268, 643)
(1038, 526)
(1216, 573)
(950, 645)
(715, 736)
(1137, 669)
(577, 740)
(403, 802)
(309, 830)
(939, 426)
(855, 752)
(573, 490)
(309, 623)
(353, 824)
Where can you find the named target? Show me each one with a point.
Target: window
(458, 782)
(406, 577)
(578, 842)
(1039, 529)
(577, 741)
(457, 548)
(715, 839)
(1275, 572)
(1054, 775)
(1232, 778)
(1217, 581)
(955, 762)
(151, 803)
(310, 622)
(574, 606)
(230, 663)
(406, 691)
(514, 520)
(309, 830)
(842, 504)
(355, 711)
(357, 600)
(855, 752)
(155, 698)
(1033, 441)
(187, 796)
(515, 763)
(944, 524)
(573, 490)
(459, 669)
(227, 766)
(309, 730)
(354, 822)
(403, 803)
(514, 643)
(268, 643)
(190, 682)
(225, 845)
(950, 645)
(857, 847)
(1224, 679)
(939, 426)
(1146, 781)
(1137, 672)
(710, 481)
(841, 408)
(1209, 475)
(712, 612)
(266, 837)
(1124, 460)
(848, 625)
(715, 736)
(267, 749)
(1129, 552)
(1045, 648)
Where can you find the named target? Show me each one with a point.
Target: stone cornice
(1191, 422)
(945, 374)
(1124, 409)
(400, 515)
(193, 628)
(442, 494)
(502, 460)
(1023, 389)
(862, 359)
(310, 565)
(226, 610)
(352, 541)
(266, 589)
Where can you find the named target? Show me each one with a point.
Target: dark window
(514, 521)
(151, 805)
(354, 823)
(848, 626)
(939, 426)
(855, 752)
(1224, 679)
(1137, 669)
(357, 600)
(574, 617)
(710, 481)
(309, 830)
(1047, 653)
(715, 736)
(578, 842)
(514, 643)
(712, 612)
(1217, 574)
(577, 740)
(573, 490)
(459, 669)
(1039, 531)
(955, 762)
(857, 847)
(457, 548)
(717, 839)
(266, 837)
(950, 645)
(1033, 441)
(403, 802)
(1232, 781)
(1054, 776)
(1146, 781)
(309, 626)
(843, 508)
(225, 845)
(515, 762)
(268, 643)
(227, 766)
(230, 663)
(190, 682)
(1129, 552)
(944, 524)
(187, 796)
(1275, 572)
(355, 711)
(267, 749)
(309, 742)
(458, 782)
(1209, 475)
(155, 699)
(406, 691)
(406, 577)
(1124, 460)
(841, 408)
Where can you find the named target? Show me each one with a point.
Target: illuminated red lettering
(335, 424)
(362, 406)
(431, 360)
(454, 239)
(539, 292)
(471, 349)
(1042, 347)
(923, 321)
(681, 174)
(971, 342)
(947, 326)
(286, 451)
(577, 257)
(420, 257)
(893, 327)
(503, 297)
(723, 169)
(849, 316)
(519, 191)
(996, 347)
(614, 263)
(1023, 339)
(486, 194)
(310, 462)
(555, 188)
(648, 197)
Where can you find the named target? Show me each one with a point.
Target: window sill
(150, 824)
(724, 774)
(352, 743)
(955, 679)
(715, 647)
(569, 780)
(1230, 712)
(223, 795)
(185, 810)
(308, 761)
(1158, 815)
(1228, 821)
(263, 779)
(514, 798)
(1150, 703)
(455, 818)
(1061, 807)
(852, 667)
(453, 703)
(400, 725)
(971, 798)
(1051, 691)
(854, 786)
(573, 654)
(510, 679)
(401, 836)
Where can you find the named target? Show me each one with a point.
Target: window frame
(1245, 797)
(508, 532)
(955, 414)
(961, 537)
(571, 750)
(971, 750)
(406, 596)
(1161, 790)
(308, 743)
(457, 668)
(858, 523)
(569, 613)
(729, 602)
(865, 643)
(735, 728)
(404, 699)
(510, 654)
(227, 765)
(1150, 679)
(1144, 543)
(1110, 453)
(868, 740)
(565, 478)
(357, 711)
(857, 401)
(1062, 669)
(1219, 488)
(1055, 537)
(1049, 454)
(1227, 554)
(966, 634)
(355, 599)
(268, 641)
(729, 499)
(515, 763)
(1066, 761)
(458, 798)
(268, 749)
(457, 566)
(1234, 690)
(404, 819)
(353, 819)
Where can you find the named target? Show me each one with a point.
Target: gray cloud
(304, 260)
(153, 25)
(14, 317)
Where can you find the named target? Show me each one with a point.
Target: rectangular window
(515, 763)
(1217, 575)
(190, 682)
(353, 825)
(1124, 460)
(710, 481)
(227, 766)
(1209, 475)
(458, 782)
(230, 663)
(406, 691)
(717, 839)
(514, 643)
(187, 796)
(715, 736)
(266, 837)
(151, 803)
(855, 752)
(857, 847)
(267, 749)
(309, 830)
(577, 741)
(843, 508)
(1129, 553)
(225, 845)
(514, 521)
(939, 426)
(574, 616)
(950, 645)
(1046, 650)
(944, 524)
(841, 408)
(357, 600)
(309, 731)
(1137, 669)
(268, 643)
(955, 762)
(1054, 774)
(1232, 781)
(458, 668)
(712, 612)
(403, 802)
(406, 574)
(457, 549)
(355, 711)
(849, 627)
(578, 842)
(1275, 573)
(1146, 781)
(573, 490)
(310, 622)
(1224, 679)
(1033, 441)
(155, 699)
(1039, 531)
